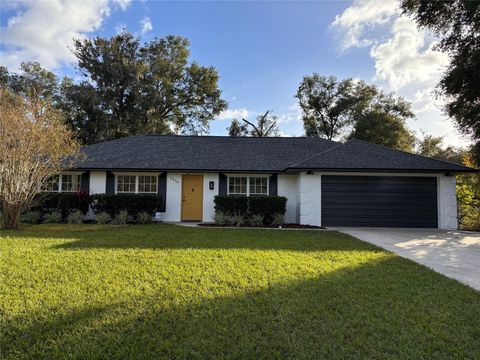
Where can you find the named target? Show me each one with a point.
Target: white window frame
(59, 180)
(136, 182)
(248, 184)
(135, 179)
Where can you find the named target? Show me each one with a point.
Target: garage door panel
(379, 201)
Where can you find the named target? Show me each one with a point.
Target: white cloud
(362, 16)
(146, 25)
(44, 30)
(122, 4)
(233, 114)
(404, 57)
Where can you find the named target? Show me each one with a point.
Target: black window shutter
(110, 188)
(85, 181)
(273, 185)
(162, 191)
(222, 184)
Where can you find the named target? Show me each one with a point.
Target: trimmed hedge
(266, 206)
(232, 205)
(66, 203)
(133, 203)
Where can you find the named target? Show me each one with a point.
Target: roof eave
(466, 170)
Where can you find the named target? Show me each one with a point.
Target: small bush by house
(65, 203)
(254, 210)
(267, 205)
(133, 204)
(231, 205)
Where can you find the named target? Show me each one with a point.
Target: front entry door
(192, 197)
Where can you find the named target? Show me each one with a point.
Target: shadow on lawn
(175, 237)
(77, 237)
(385, 308)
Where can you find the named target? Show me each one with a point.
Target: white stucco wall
(208, 196)
(287, 186)
(173, 204)
(303, 192)
(309, 199)
(98, 182)
(447, 202)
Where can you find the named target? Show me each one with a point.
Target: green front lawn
(162, 291)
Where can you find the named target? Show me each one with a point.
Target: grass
(162, 291)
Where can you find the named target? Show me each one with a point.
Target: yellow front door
(192, 197)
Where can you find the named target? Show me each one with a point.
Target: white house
(326, 183)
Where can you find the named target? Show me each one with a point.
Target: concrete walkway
(455, 254)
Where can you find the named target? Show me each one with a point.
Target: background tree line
(127, 88)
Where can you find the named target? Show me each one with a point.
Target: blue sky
(260, 49)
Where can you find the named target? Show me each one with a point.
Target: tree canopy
(384, 129)
(457, 24)
(327, 104)
(130, 88)
(266, 125)
(333, 108)
(432, 146)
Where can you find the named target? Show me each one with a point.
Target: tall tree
(35, 144)
(34, 83)
(381, 119)
(384, 129)
(131, 88)
(457, 24)
(332, 107)
(432, 146)
(266, 126)
(237, 128)
(326, 104)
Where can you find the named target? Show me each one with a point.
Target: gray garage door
(386, 201)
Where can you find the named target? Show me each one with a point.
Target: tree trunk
(11, 216)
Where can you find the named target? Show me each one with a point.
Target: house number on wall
(174, 179)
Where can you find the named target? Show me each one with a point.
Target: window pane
(258, 186)
(147, 184)
(126, 183)
(70, 182)
(51, 184)
(237, 185)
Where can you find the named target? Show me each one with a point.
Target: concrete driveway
(455, 254)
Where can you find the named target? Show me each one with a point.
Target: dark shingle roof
(361, 155)
(222, 153)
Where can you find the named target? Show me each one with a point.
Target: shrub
(231, 205)
(237, 219)
(265, 206)
(75, 217)
(121, 218)
(471, 220)
(144, 218)
(31, 217)
(221, 218)
(278, 219)
(256, 220)
(103, 218)
(66, 203)
(132, 203)
(54, 217)
(268, 205)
